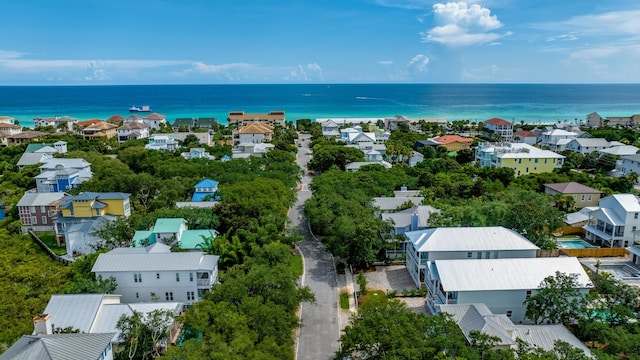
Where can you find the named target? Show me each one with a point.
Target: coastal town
(140, 237)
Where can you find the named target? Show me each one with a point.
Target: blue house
(205, 188)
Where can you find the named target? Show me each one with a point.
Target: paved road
(320, 330)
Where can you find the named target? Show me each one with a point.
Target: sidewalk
(345, 284)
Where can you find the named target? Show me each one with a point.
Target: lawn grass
(344, 300)
(370, 294)
(295, 263)
(50, 240)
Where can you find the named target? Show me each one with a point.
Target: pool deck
(615, 266)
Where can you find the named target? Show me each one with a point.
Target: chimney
(415, 221)
(403, 188)
(42, 325)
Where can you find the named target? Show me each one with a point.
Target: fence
(595, 252)
(49, 252)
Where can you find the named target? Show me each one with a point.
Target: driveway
(395, 277)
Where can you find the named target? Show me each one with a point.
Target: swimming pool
(574, 244)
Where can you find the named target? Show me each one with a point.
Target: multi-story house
(37, 210)
(557, 139)
(502, 284)
(10, 129)
(615, 222)
(330, 129)
(587, 145)
(204, 195)
(627, 165)
(99, 129)
(526, 137)
(522, 158)
(24, 137)
(492, 242)
(582, 194)
(133, 131)
(82, 215)
(253, 133)
(161, 142)
(38, 153)
(498, 127)
(240, 118)
(145, 274)
(155, 121)
(355, 136)
(61, 174)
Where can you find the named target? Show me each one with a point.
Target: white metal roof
(179, 261)
(392, 203)
(487, 238)
(545, 336)
(629, 202)
(77, 310)
(505, 274)
(58, 347)
(39, 199)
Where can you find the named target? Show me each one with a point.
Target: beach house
(615, 222)
(500, 128)
(582, 194)
(628, 165)
(62, 174)
(453, 142)
(240, 118)
(133, 131)
(502, 284)
(522, 158)
(36, 210)
(80, 216)
(557, 139)
(446, 243)
(586, 146)
(146, 274)
(173, 232)
(253, 133)
(161, 142)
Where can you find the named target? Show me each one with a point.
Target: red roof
(448, 139)
(89, 122)
(116, 119)
(496, 121)
(155, 116)
(524, 133)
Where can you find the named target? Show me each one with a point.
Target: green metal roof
(141, 236)
(168, 225)
(191, 238)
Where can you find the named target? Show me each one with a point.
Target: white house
(132, 131)
(197, 153)
(330, 129)
(557, 139)
(628, 165)
(96, 313)
(146, 274)
(491, 242)
(499, 127)
(587, 145)
(502, 284)
(391, 204)
(615, 222)
(37, 210)
(161, 142)
(478, 317)
(621, 150)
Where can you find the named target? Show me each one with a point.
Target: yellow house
(90, 204)
(522, 158)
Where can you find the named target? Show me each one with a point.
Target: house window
(137, 295)
(44, 220)
(169, 296)
(190, 295)
(34, 220)
(177, 277)
(635, 216)
(528, 294)
(479, 255)
(97, 212)
(42, 209)
(535, 161)
(137, 278)
(582, 197)
(469, 255)
(190, 276)
(589, 198)
(157, 275)
(33, 209)
(509, 313)
(487, 255)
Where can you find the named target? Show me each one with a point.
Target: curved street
(320, 328)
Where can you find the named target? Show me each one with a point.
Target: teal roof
(33, 147)
(191, 238)
(141, 236)
(168, 225)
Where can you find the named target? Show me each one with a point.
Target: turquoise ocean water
(531, 103)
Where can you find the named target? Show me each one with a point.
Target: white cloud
(385, 62)
(203, 68)
(418, 63)
(309, 72)
(404, 4)
(565, 37)
(10, 54)
(462, 25)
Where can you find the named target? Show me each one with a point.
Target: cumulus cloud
(385, 62)
(418, 63)
(309, 72)
(462, 25)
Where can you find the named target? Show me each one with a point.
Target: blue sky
(89, 42)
